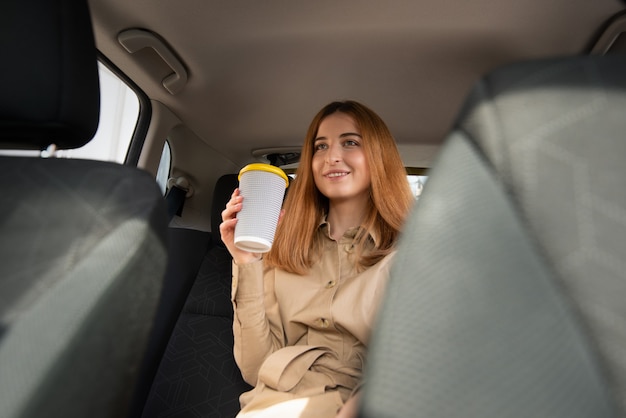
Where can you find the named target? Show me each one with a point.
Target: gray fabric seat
(198, 376)
(507, 295)
(82, 243)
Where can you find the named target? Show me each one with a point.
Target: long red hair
(295, 248)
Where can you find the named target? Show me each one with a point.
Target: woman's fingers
(232, 206)
(227, 230)
(228, 226)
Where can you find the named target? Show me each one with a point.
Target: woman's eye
(319, 147)
(351, 143)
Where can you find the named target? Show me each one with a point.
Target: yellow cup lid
(265, 167)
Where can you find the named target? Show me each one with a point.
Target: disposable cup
(263, 189)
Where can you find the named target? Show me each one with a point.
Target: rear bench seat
(197, 376)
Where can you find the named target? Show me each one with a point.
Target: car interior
(506, 296)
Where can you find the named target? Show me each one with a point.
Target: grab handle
(135, 39)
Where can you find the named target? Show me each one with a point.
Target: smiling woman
(254, 74)
(303, 314)
(340, 167)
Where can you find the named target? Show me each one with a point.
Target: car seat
(198, 376)
(82, 243)
(506, 298)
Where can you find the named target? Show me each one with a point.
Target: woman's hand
(227, 230)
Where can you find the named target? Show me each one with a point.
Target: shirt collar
(324, 228)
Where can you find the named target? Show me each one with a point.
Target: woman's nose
(334, 154)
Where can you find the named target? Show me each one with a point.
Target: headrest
(50, 92)
(224, 188)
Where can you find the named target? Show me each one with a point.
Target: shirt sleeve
(257, 325)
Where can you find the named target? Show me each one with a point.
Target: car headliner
(259, 70)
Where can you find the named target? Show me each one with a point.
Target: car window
(416, 181)
(165, 164)
(119, 112)
(417, 177)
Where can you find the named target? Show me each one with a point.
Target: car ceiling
(259, 70)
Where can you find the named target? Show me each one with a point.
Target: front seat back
(82, 251)
(507, 296)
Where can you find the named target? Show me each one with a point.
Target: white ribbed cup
(263, 189)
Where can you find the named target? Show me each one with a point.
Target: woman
(304, 312)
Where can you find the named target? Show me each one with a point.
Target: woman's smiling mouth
(336, 174)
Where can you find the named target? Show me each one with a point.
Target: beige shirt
(306, 335)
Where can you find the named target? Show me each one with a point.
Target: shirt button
(324, 323)
(331, 284)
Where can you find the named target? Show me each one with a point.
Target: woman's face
(340, 168)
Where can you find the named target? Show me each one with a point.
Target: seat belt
(178, 190)
(175, 200)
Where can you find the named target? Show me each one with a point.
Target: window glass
(416, 181)
(119, 112)
(417, 184)
(163, 173)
